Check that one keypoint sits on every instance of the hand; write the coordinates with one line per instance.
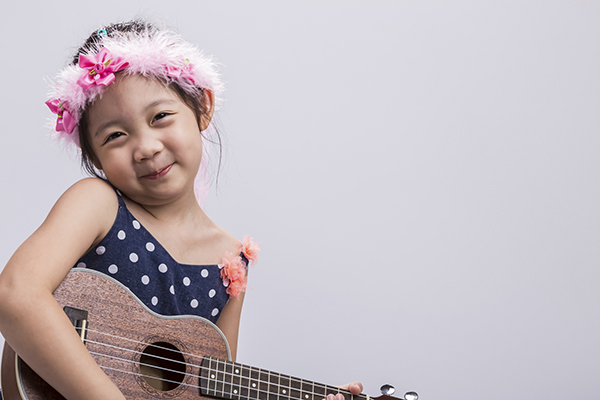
(353, 387)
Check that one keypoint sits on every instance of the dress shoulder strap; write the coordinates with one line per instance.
(118, 193)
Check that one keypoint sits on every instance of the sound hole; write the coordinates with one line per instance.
(162, 366)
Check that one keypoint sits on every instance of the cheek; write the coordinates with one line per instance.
(112, 160)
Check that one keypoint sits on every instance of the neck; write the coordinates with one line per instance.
(179, 210)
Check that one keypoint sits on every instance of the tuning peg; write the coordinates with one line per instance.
(387, 390)
(411, 396)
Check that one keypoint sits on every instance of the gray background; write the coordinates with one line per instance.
(422, 175)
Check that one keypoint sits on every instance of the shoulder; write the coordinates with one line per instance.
(90, 203)
(225, 241)
(90, 188)
(77, 221)
(247, 247)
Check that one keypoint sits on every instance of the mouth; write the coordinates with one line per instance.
(160, 173)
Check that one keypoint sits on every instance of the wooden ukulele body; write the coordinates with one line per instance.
(119, 329)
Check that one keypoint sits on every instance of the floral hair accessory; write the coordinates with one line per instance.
(64, 122)
(101, 69)
(155, 53)
(233, 273)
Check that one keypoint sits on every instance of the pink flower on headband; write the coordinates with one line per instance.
(250, 249)
(100, 69)
(65, 121)
(233, 274)
(177, 72)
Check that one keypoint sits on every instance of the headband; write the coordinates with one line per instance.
(160, 54)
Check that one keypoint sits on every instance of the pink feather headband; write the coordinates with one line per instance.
(160, 54)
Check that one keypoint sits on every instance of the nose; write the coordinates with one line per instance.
(147, 146)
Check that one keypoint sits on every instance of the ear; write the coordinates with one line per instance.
(209, 106)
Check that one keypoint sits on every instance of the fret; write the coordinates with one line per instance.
(205, 380)
(221, 388)
(236, 380)
(219, 377)
(253, 383)
(228, 389)
(307, 389)
(245, 382)
(296, 388)
(284, 386)
(319, 392)
(273, 386)
(263, 385)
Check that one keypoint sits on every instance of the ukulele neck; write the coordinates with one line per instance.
(233, 381)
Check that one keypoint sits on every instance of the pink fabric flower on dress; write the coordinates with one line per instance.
(100, 69)
(65, 121)
(234, 271)
(250, 249)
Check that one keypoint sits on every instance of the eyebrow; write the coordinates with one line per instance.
(148, 107)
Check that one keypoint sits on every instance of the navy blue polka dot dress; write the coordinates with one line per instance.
(131, 255)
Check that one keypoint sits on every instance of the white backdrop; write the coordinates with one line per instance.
(423, 177)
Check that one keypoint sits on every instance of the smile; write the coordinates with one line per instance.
(159, 174)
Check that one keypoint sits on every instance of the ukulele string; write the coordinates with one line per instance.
(222, 393)
(201, 367)
(231, 375)
(153, 345)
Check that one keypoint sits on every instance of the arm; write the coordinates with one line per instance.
(31, 320)
(229, 322)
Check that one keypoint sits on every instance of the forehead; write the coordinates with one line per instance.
(130, 94)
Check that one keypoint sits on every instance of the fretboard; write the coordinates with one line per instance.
(233, 381)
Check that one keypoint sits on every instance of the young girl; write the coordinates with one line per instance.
(138, 101)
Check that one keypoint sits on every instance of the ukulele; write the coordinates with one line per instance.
(164, 361)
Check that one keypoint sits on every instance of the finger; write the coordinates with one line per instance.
(355, 387)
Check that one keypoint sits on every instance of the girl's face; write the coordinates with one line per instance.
(146, 140)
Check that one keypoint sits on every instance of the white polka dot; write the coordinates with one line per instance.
(220, 266)
(162, 268)
(194, 303)
(81, 265)
(113, 269)
(145, 279)
(212, 293)
(154, 300)
(100, 250)
(150, 246)
(136, 224)
(172, 289)
(204, 273)
(225, 282)
(214, 312)
(133, 257)
(121, 235)
(186, 281)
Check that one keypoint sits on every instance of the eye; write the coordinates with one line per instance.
(113, 136)
(159, 116)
